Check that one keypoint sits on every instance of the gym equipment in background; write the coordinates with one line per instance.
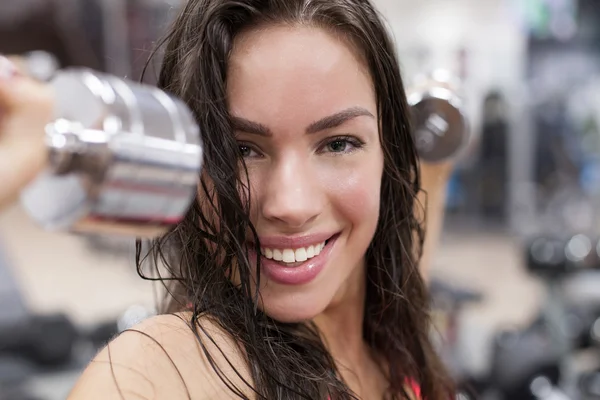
(441, 129)
(124, 158)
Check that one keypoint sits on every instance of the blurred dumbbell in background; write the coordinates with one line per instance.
(440, 126)
(556, 257)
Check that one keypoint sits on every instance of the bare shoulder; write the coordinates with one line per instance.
(164, 358)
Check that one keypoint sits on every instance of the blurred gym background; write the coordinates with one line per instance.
(515, 282)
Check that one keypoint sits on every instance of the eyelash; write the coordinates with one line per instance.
(351, 140)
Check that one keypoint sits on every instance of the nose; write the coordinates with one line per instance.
(292, 196)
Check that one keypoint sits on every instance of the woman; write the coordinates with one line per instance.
(309, 161)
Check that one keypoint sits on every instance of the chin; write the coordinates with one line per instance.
(294, 307)
(302, 292)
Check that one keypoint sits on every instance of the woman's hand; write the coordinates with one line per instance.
(25, 109)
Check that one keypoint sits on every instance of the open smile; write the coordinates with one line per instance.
(298, 262)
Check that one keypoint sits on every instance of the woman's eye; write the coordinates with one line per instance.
(337, 146)
(247, 151)
(342, 145)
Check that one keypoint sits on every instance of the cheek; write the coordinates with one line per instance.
(355, 193)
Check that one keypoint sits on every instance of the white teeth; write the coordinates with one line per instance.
(301, 255)
(288, 256)
(293, 255)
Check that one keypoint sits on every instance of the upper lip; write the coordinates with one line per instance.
(293, 242)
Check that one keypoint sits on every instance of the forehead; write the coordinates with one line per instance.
(300, 70)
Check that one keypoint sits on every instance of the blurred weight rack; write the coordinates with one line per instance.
(115, 36)
(131, 29)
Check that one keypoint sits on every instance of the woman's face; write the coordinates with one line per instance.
(304, 110)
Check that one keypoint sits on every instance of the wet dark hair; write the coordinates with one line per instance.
(289, 360)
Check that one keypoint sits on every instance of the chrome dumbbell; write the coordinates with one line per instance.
(124, 158)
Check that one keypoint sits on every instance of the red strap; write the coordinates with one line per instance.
(415, 388)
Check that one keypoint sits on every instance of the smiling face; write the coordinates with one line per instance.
(304, 108)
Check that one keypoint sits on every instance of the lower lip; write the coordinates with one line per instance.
(299, 275)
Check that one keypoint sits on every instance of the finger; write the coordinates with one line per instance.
(18, 62)
(18, 91)
(25, 108)
(22, 135)
(26, 105)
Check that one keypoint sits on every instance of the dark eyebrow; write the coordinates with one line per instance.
(330, 122)
(244, 125)
(337, 119)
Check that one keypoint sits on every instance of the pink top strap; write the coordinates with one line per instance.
(415, 388)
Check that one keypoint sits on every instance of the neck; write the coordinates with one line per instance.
(341, 324)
